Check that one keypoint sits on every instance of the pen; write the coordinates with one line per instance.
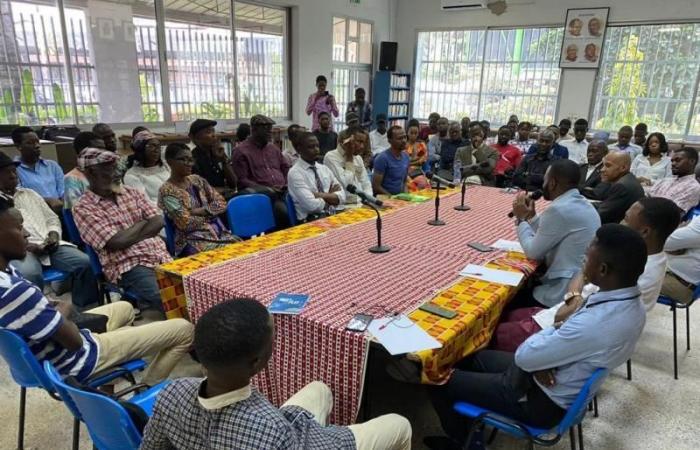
(475, 274)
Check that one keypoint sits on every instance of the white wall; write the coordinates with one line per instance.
(577, 85)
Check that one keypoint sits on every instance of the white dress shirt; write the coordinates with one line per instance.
(348, 172)
(301, 183)
(642, 167)
(379, 142)
(687, 265)
(578, 151)
(633, 149)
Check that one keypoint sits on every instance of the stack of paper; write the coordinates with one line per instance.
(401, 335)
(492, 275)
(509, 246)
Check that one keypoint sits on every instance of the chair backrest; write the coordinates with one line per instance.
(692, 213)
(72, 228)
(577, 409)
(291, 209)
(95, 263)
(169, 234)
(24, 367)
(107, 421)
(249, 215)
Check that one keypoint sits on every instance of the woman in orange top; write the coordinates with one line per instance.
(418, 155)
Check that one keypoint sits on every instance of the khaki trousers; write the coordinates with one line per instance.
(167, 341)
(388, 432)
(674, 289)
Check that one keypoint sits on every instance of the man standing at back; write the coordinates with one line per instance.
(683, 188)
(624, 188)
(560, 235)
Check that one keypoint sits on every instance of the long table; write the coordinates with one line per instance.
(329, 261)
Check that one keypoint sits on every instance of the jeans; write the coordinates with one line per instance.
(491, 379)
(66, 259)
(141, 281)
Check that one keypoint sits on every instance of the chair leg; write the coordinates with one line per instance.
(675, 343)
(22, 409)
(595, 406)
(687, 327)
(572, 438)
(629, 369)
(76, 434)
(580, 436)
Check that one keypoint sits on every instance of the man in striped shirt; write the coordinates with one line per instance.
(52, 336)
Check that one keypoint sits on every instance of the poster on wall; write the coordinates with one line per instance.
(584, 32)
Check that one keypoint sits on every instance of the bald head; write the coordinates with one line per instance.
(615, 166)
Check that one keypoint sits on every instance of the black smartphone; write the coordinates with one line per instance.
(439, 311)
(359, 322)
(480, 247)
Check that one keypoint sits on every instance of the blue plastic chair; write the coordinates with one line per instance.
(250, 215)
(52, 275)
(109, 424)
(169, 235)
(674, 305)
(573, 418)
(28, 373)
(72, 228)
(692, 213)
(291, 209)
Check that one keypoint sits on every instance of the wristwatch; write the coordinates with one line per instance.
(571, 294)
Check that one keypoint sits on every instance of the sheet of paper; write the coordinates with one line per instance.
(401, 335)
(509, 246)
(492, 275)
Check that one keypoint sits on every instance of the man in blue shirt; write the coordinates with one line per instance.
(43, 176)
(540, 381)
(391, 165)
(556, 149)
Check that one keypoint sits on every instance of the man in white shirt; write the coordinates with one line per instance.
(654, 219)
(578, 147)
(435, 141)
(624, 142)
(347, 165)
(683, 274)
(313, 187)
(378, 139)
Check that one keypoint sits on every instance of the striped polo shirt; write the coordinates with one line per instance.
(25, 311)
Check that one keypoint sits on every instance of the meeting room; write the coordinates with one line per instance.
(207, 208)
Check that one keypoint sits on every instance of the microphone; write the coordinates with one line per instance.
(432, 176)
(365, 197)
(534, 195)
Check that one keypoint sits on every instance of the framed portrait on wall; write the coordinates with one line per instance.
(584, 33)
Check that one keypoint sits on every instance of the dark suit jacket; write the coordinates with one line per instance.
(592, 188)
(621, 195)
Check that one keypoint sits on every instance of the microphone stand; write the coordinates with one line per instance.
(379, 248)
(437, 221)
(462, 206)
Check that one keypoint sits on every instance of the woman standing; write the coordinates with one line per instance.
(653, 164)
(321, 101)
(145, 168)
(192, 205)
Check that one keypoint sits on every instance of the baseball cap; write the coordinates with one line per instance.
(200, 124)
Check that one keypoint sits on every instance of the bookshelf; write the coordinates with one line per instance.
(391, 95)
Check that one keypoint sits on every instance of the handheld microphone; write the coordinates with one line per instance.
(366, 197)
(432, 176)
(534, 195)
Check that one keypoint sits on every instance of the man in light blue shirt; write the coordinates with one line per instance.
(43, 176)
(560, 235)
(540, 381)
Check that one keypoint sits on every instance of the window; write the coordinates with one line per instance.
(103, 63)
(488, 74)
(649, 73)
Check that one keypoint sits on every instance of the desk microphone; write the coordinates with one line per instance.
(364, 196)
(434, 177)
(534, 195)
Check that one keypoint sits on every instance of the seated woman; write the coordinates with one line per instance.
(418, 154)
(192, 205)
(145, 169)
(653, 164)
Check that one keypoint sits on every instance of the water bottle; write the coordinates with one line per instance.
(457, 170)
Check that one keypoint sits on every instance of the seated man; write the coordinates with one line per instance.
(327, 138)
(290, 152)
(105, 132)
(530, 173)
(556, 149)
(347, 165)
(52, 336)
(683, 188)
(45, 248)
(654, 219)
(43, 176)
(313, 187)
(75, 183)
(210, 159)
(432, 127)
(560, 235)
(591, 185)
(378, 138)
(683, 275)
(542, 379)
(624, 188)
(435, 141)
(578, 146)
(564, 127)
(122, 227)
(508, 157)
(522, 139)
(624, 144)
(391, 166)
(640, 134)
(478, 160)
(448, 151)
(261, 168)
(234, 341)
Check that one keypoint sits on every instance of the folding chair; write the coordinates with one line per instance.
(668, 301)
(250, 215)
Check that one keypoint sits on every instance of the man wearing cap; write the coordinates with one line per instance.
(122, 227)
(210, 160)
(261, 167)
(378, 139)
(45, 248)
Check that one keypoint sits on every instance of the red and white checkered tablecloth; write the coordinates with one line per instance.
(343, 278)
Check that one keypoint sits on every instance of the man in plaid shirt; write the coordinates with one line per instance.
(234, 341)
(122, 227)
